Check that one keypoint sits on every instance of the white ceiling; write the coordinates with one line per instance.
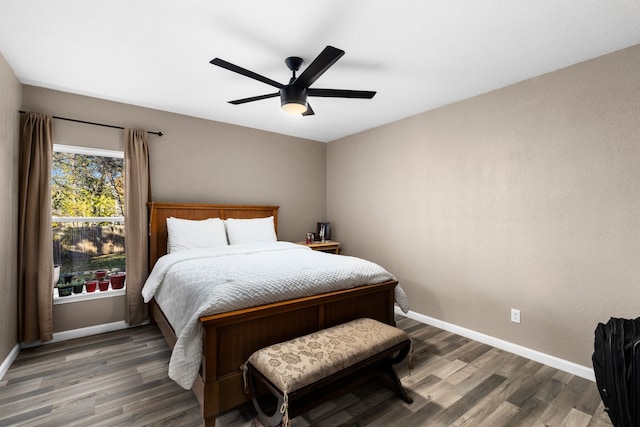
(417, 54)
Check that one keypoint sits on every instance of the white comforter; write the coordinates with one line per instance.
(194, 283)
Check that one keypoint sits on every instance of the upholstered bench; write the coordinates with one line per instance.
(308, 370)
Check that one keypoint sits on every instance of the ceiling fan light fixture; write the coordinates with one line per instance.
(293, 96)
(294, 108)
(293, 100)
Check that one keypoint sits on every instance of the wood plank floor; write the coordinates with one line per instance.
(120, 379)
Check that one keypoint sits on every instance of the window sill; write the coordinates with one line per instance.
(87, 296)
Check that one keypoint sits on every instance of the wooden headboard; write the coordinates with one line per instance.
(159, 212)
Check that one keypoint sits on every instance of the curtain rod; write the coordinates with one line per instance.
(93, 123)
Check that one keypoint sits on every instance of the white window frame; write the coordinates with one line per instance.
(87, 151)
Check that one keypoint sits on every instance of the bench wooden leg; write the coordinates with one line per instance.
(270, 420)
(395, 383)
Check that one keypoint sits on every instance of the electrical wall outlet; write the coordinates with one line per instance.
(515, 315)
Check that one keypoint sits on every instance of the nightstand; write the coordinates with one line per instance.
(326, 246)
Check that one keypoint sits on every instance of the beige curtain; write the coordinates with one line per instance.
(35, 239)
(137, 195)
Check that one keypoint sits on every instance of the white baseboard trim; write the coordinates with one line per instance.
(6, 363)
(79, 333)
(89, 330)
(554, 362)
(83, 332)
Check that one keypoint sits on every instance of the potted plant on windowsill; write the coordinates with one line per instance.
(91, 285)
(103, 285)
(64, 289)
(117, 278)
(77, 284)
(100, 274)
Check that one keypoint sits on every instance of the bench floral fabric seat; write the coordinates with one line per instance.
(309, 368)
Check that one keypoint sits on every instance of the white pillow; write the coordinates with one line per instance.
(186, 234)
(250, 230)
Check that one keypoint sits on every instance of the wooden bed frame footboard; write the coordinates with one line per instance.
(230, 338)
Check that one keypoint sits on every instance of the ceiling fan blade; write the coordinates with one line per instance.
(326, 59)
(254, 98)
(341, 93)
(309, 111)
(236, 69)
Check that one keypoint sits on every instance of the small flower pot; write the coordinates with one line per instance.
(64, 292)
(103, 285)
(91, 286)
(117, 280)
(77, 289)
(100, 274)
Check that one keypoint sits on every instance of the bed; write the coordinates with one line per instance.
(229, 338)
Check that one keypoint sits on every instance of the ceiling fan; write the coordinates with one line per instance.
(293, 96)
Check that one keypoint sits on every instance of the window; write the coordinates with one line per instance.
(87, 199)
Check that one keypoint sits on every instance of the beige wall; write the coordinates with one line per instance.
(10, 99)
(197, 161)
(525, 197)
